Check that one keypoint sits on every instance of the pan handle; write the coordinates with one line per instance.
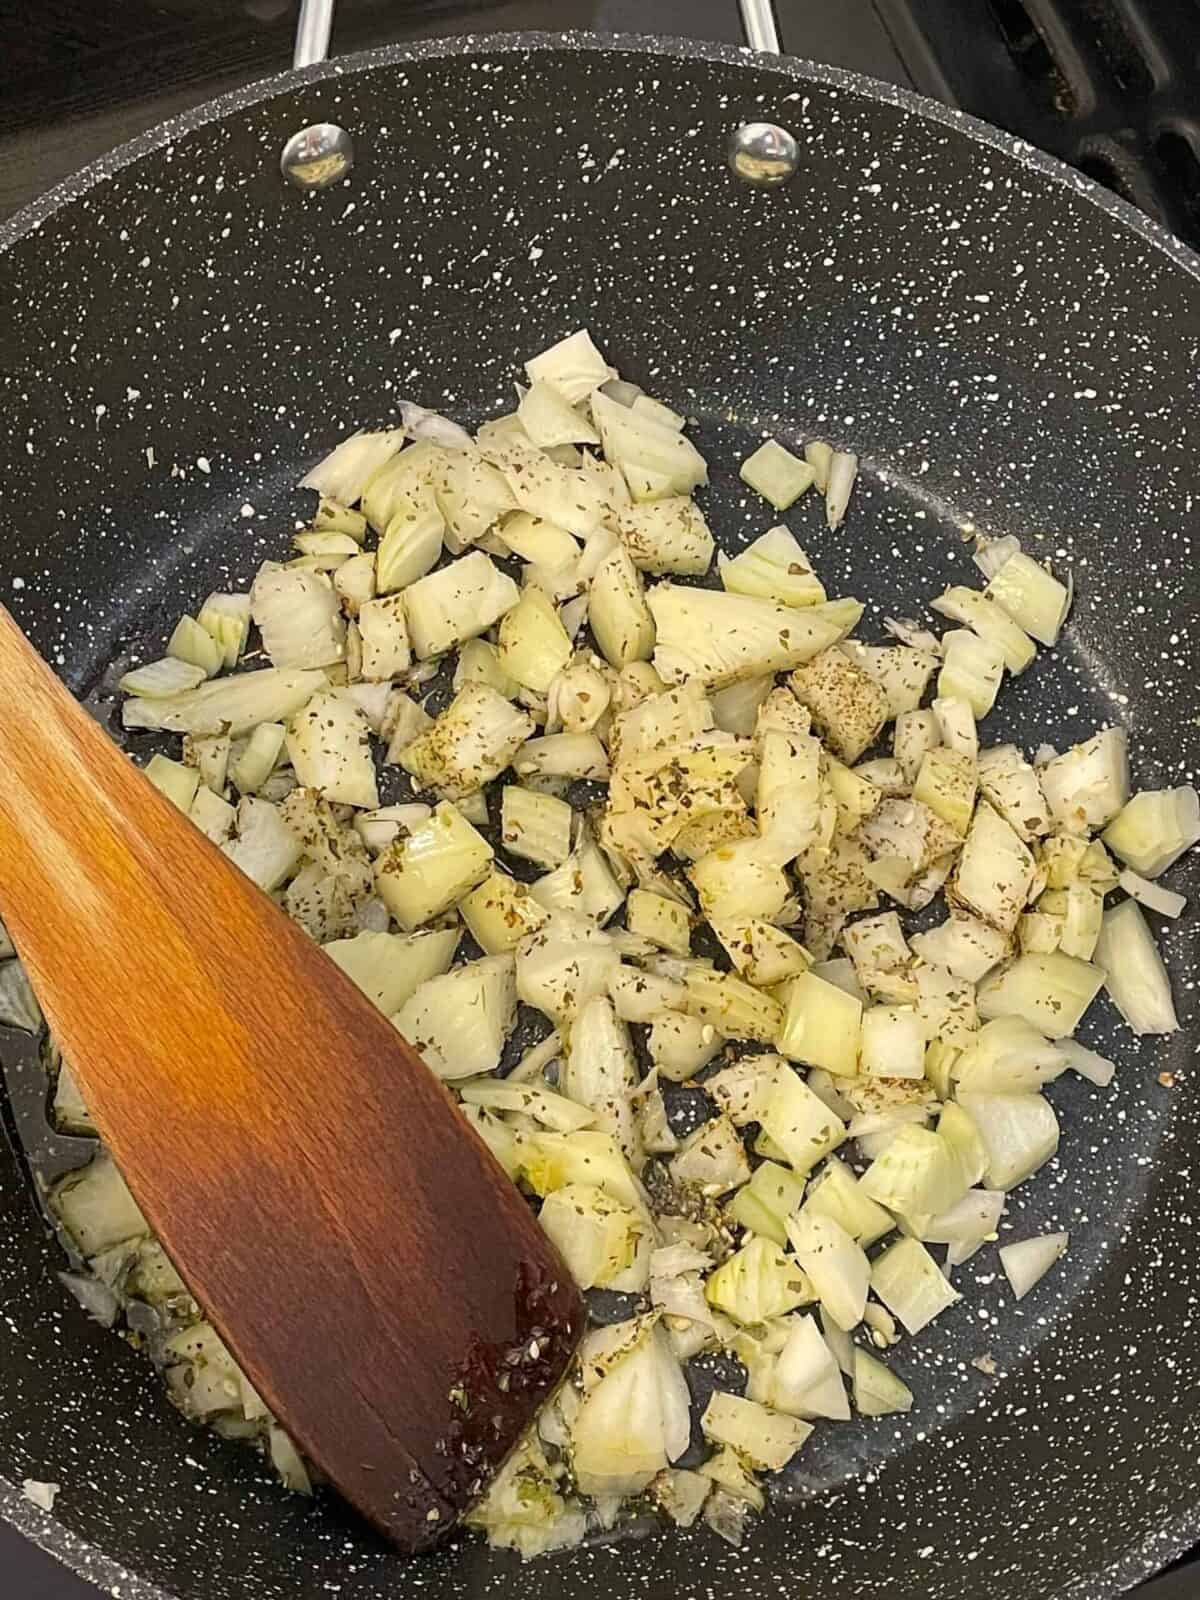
(761, 29)
(762, 154)
(322, 153)
(316, 25)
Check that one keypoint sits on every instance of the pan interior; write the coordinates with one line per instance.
(1006, 358)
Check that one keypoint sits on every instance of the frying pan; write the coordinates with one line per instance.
(1009, 348)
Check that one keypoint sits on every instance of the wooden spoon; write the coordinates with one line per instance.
(375, 1273)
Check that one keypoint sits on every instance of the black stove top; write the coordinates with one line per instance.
(1112, 86)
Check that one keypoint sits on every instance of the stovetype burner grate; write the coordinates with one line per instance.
(1112, 86)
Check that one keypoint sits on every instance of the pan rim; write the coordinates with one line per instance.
(1159, 1547)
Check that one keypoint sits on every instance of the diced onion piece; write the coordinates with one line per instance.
(966, 1226)
(968, 947)
(1154, 829)
(1008, 1056)
(1027, 1261)
(1013, 788)
(757, 1283)
(195, 645)
(819, 455)
(736, 1009)
(848, 707)
(721, 638)
(430, 870)
(776, 474)
(641, 443)
(213, 816)
(159, 680)
(669, 535)
(573, 366)
(533, 644)
(990, 622)
(1087, 786)
(892, 1042)
(911, 1285)
(390, 968)
(971, 670)
(836, 1192)
(535, 826)
(227, 618)
(345, 472)
(1134, 973)
(878, 1392)
(332, 517)
(259, 758)
(227, 705)
(821, 1026)
(1019, 1133)
(902, 673)
(664, 922)
(456, 603)
(956, 723)
(713, 1158)
(458, 1022)
(383, 638)
(916, 1175)
(619, 616)
(634, 1421)
(995, 870)
(765, 1438)
(991, 554)
(96, 1207)
(680, 1045)
(1151, 895)
(329, 743)
(1051, 992)
(800, 1124)
(740, 879)
(550, 419)
(473, 494)
(773, 567)
(412, 543)
(500, 912)
(177, 782)
(471, 743)
(835, 1265)
(596, 1235)
(946, 783)
(1033, 598)
(265, 849)
(841, 475)
(1095, 1068)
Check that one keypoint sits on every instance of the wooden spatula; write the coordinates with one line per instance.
(375, 1273)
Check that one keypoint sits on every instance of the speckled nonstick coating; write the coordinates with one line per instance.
(1004, 343)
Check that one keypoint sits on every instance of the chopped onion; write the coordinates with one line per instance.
(721, 638)
(911, 1285)
(1154, 829)
(669, 535)
(878, 1392)
(349, 467)
(1089, 785)
(842, 472)
(848, 707)
(990, 622)
(573, 366)
(1027, 1261)
(1051, 992)
(1134, 974)
(971, 670)
(1032, 597)
(991, 554)
(773, 567)
(1019, 1133)
(836, 1266)
(757, 1283)
(459, 1022)
(821, 1025)
(431, 869)
(776, 474)
(1151, 895)
(835, 1192)
(995, 871)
